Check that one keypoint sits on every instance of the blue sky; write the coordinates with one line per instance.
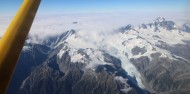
(9, 7)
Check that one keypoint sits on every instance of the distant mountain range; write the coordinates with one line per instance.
(152, 58)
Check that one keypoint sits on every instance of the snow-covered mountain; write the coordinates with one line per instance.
(186, 27)
(150, 58)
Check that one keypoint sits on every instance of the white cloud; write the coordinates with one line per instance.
(50, 25)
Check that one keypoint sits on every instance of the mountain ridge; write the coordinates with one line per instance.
(131, 60)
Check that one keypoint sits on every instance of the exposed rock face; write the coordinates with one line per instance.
(29, 59)
(160, 23)
(137, 50)
(181, 50)
(131, 61)
(53, 41)
(126, 28)
(164, 75)
(186, 27)
(144, 26)
(61, 76)
(168, 25)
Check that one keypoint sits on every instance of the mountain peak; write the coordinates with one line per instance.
(160, 19)
(186, 27)
(163, 23)
(126, 28)
(53, 41)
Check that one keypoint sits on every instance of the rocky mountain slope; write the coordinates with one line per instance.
(150, 58)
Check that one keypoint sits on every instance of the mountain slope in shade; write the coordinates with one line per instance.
(150, 58)
(61, 75)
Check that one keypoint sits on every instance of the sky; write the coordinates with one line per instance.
(9, 7)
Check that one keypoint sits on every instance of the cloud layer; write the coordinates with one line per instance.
(50, 25)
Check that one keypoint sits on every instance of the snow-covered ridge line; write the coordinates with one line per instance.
(125, 43)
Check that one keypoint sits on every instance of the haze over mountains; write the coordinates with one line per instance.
(107, 54)
(100, 22)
